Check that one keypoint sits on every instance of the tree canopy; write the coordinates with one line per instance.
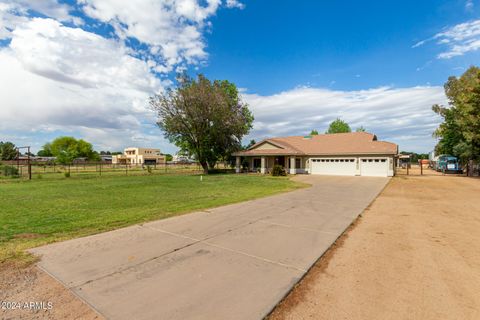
(250, 144)
(314, 132)
(8, 151)
(459, 132)
(66, 149)
(46, 151)
(206, 119)
(338, 126)
(361, 129)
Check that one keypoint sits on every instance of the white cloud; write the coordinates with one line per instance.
(172, 29)
(401, 115)
(59, 78)
(460, 39)
(71, 80)
(235, 4)
(469, 5)
(14, 13)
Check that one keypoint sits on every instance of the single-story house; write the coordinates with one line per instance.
(349, 154)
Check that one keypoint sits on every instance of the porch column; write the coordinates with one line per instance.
(293, 170)
(263, 170)
(237, 164)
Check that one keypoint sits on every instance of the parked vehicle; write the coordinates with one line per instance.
(447, 164)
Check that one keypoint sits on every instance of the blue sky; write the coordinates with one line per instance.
(356, 44)
(87, 68)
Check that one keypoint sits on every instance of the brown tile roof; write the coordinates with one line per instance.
(324, 144)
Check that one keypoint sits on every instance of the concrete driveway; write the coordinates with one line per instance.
(232, 262)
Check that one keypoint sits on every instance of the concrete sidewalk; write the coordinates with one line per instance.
(232, 262)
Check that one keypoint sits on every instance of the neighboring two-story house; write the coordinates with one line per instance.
(142, 156)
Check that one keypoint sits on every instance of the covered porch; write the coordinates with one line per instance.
(265, 164)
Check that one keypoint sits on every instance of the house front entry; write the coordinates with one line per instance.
(280, 161)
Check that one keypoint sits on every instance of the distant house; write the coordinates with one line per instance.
(349, 154)
(106, 158)
(142, 156)
(181, 159)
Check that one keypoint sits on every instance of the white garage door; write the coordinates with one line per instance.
(341, 167)
(376, 167)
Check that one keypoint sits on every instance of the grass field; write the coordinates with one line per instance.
(37, 212)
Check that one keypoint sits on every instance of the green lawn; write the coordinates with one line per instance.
(37, 212)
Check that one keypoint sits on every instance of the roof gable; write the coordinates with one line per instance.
(265, 145)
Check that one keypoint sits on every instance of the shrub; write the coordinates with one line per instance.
(278, 171)
(67, 174)
(149, 169)
(10, 171)
(220, 171)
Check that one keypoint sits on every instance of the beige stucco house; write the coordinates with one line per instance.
(142, 156)
(351, 154)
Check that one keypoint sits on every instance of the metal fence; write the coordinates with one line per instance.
(472, 168)
(54, 170)
(416, 170)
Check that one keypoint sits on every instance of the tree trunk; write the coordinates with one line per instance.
(211, 164)
(204, 165)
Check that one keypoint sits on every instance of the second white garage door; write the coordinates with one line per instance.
(340, 167)
(374, 167)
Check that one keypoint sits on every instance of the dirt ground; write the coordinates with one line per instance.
(414, 254)
(19, 287)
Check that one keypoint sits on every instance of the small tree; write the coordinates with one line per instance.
(7, 151)
(46, 151)
(314, 132)
(203, 118)
(361, 129)
(338, 126)
(250, 144)
(67, 149)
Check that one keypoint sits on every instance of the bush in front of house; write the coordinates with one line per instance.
(278, 171)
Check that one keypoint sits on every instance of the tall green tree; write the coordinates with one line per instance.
(460, 131)
(67, 149)
(338, 126)
(314, 132)
(8, 151)
(206, 119)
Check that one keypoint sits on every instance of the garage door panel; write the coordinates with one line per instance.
(345, 167)
(374, 167)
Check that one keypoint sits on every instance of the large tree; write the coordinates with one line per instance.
(338, 126)
(460, 131)
(203, 118)
(7, 151)
(67, 149)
